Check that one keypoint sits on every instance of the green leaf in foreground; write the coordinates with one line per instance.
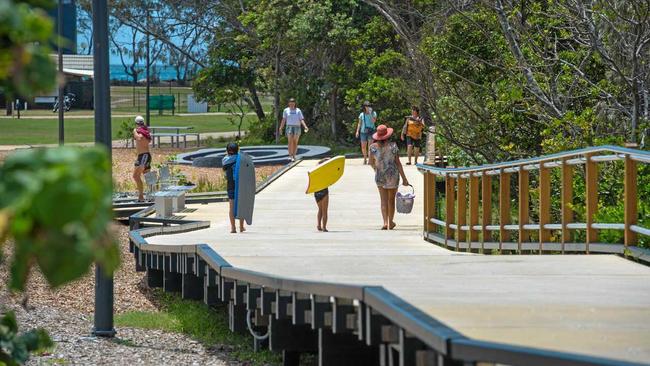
(59, 207)
(15, 348)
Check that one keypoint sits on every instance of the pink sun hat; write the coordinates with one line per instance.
(383, 133)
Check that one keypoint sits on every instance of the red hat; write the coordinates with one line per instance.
(383, 133)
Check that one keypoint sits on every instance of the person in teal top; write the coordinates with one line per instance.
(365, 128)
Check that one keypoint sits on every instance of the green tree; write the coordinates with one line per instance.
(25, 31)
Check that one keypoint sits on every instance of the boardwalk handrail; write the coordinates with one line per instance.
(462, 228)
(380, 317)
(637, 155)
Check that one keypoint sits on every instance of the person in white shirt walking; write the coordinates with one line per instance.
(293, 119)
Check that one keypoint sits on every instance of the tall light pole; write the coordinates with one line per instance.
(59, 26)
(146, 102)
(101, 87)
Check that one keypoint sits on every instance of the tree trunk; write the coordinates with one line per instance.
(276, 94)
(90, 43)
(334, 110)
(635, 110)
(259, 111)
(135, 83)
(241, 121)
(646, 102)
(517, 53)
(8, 105)
(636, 97)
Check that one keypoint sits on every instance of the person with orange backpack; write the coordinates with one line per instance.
(412, 130)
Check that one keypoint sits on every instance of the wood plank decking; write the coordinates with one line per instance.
(589, 304)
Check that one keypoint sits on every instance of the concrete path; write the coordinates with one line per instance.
(117, 115)
(597, 304)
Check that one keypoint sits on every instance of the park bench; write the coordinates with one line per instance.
(176, 134)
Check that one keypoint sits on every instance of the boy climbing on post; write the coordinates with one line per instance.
(142, 138)
(228, 163)
(322, 200)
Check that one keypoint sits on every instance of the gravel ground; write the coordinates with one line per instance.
(75, 345)
(66, 314)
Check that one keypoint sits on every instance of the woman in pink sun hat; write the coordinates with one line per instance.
(384, 159)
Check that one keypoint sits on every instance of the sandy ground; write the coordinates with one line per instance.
(208, 179)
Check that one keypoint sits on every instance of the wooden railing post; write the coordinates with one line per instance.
(504, 207)
(429, 202)
(486, 207)
(523, 205)
(473, 209)
(567, 200)
(450, 193)
(544, 205)
(591, 192)
(462, 210)
(631, 200)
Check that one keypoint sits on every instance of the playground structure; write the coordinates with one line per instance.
(262, 155)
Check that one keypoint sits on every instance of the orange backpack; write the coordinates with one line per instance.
(414, 128)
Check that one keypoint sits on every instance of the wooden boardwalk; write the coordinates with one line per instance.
(589, 304)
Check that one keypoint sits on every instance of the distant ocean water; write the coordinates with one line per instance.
(161, 72)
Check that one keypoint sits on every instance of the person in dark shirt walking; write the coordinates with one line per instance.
(228, 163)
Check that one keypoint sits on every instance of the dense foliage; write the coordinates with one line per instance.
(499, 79)
(25, 33)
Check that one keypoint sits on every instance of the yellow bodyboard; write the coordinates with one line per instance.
(325, 174)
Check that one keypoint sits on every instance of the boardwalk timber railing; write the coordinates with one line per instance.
(466, 218)
(343, 324)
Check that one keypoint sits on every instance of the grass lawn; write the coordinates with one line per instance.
(202, 323)
(45, 131)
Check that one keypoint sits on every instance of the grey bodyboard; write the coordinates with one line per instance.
(246, 189)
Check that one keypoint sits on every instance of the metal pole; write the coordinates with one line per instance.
(102, 92)
(148, 114)
(59, 25)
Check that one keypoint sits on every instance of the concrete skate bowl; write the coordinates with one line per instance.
(262, 155)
